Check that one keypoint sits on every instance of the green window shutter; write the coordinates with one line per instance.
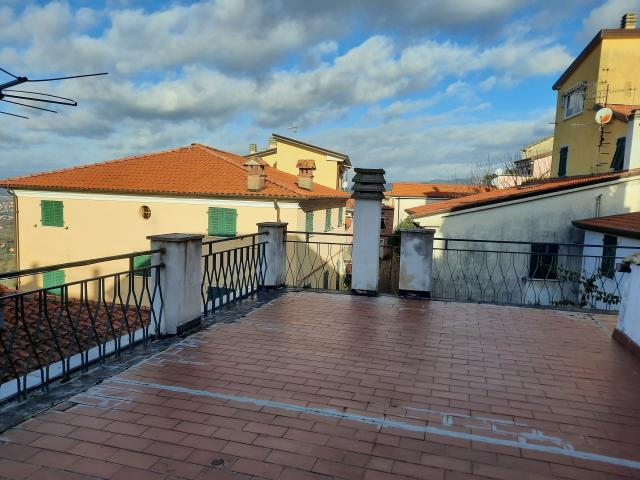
(340, 217)
(52, 213)
(222, 222)
(308, 222)
(53, 279)
(327, 220)
(562, 167)
(141, 261)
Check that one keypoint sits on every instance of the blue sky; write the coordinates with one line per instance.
(425, 89)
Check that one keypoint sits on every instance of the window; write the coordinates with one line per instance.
(52, 279)
(327, 220)
(573, 100)
(141, 261)
(562, 166)
(145, 212)
(51, 213)
(543, 262)
(222, 222)
(608, 265)
(308, 222)
(340, 216)
(618, 157)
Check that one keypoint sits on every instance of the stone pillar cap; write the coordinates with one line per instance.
(176, 237)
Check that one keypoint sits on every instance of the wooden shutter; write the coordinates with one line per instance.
(51, 213)
(562, 167)
(618, 157)
(53, 279)
(308, 223)
(229, 219)
(141, 261)
(222, 222)
(340, 217)
(327, 220)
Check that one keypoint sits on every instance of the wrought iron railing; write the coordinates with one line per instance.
(232, 269)
(48, 333)
(318, 260)
(527, 273)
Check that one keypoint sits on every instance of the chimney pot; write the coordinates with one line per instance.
(272, 142)
(629, 21)
(256, 175)
(305, 173)
(253, 148)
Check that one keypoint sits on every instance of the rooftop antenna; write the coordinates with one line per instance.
(7, 92)
(294, 128)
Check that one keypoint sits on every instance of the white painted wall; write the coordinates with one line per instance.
(629, 320)
(366, 242)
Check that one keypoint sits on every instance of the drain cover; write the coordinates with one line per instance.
(217, 462)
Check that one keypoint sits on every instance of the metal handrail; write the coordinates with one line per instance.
(301, 232)
(80, 263)
(238, 237)
(516, 242)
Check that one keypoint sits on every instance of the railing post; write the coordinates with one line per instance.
(274, 252)
(180, 280)
(627, 332)
(368, 192)
(416, 262)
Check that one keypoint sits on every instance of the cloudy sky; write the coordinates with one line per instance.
(424, 88)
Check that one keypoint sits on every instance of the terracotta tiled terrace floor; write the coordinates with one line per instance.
(320, 386)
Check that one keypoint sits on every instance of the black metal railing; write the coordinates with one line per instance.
(48, 333)
(318, 260)
(528, 273)
(232, 269)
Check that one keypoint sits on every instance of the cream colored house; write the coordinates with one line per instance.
(112, 207)
(534, 164)
(604, 74)
(284, 153)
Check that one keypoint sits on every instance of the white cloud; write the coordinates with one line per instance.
(607, 15)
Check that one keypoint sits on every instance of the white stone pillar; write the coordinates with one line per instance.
(627, 331)
(416, 262)
(274, 252)
(632, 142)
(180, 280)
(368, 192)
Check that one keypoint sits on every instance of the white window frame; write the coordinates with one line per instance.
(575, 91)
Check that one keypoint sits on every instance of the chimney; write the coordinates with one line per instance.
(305, 173)
(253, 148)
(629, 21)
(272, 142)
(632, 142)
(256, 175)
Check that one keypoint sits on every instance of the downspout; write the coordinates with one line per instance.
(277, 207)
(16, 233)
(598, 202)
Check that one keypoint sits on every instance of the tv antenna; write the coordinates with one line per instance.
(8, 92)
(294, 128)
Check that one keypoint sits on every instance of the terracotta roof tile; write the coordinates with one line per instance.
(522, 191)
(195, 170)
(620, 111)
(432, 190)
(625, 224)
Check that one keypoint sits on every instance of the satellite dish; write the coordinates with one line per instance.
(604, 115)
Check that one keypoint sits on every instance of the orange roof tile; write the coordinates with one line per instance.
(195, 170)
(625, 224)
(432, 190)
(512, 193)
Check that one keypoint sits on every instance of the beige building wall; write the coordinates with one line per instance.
(97, 225)
(286, 157)
(400, 204)
(611, 72)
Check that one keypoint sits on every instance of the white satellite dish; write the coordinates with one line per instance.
(604, 115)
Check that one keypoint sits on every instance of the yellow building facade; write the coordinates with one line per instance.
(605, 74)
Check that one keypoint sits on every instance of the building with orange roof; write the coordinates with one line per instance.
(604, 74)
(112, 207)
(407, 195)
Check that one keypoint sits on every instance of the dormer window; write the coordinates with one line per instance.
(573, 100)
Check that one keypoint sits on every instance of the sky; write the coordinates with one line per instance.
(426, 89)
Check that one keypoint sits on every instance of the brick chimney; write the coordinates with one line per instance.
(629, 21)
(256, 175)
(305, 173)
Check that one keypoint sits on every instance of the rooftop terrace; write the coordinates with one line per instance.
(322, 386)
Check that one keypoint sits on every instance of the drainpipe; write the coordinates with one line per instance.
(277, 207)
(598, 202)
